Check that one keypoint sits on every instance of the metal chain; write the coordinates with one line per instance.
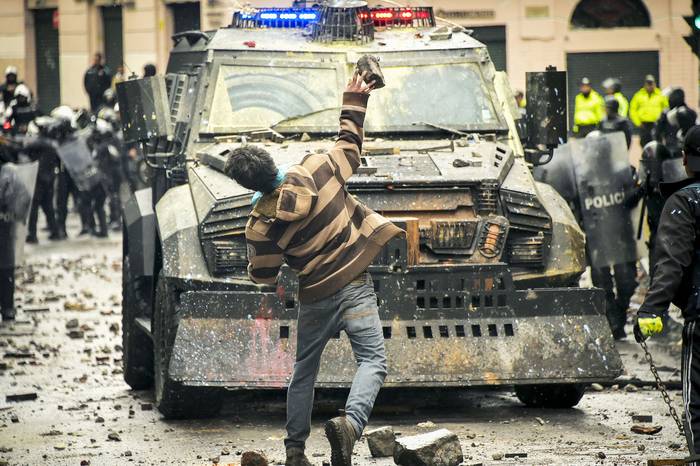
(662, 388)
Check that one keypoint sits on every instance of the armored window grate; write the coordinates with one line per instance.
(508, 328)
(387, 332)
(427, 331)
(420, 302)
(493, 330)
(444, 331)
(411, 332)
(476, 330)
(284, 331)
(459, 331)
(446, 302)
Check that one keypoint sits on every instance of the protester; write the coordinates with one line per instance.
(676, 279)
(646, 107)
(97, 80)
(291, 212)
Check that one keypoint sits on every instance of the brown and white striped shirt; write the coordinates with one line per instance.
(313, 224)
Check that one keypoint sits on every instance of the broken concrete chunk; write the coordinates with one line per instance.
(381, 441)
(437, 448)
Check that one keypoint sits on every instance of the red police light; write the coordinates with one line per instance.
(407, 14)
(383, 15)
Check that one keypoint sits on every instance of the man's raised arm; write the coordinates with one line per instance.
(345, 156)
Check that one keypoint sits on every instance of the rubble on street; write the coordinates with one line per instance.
(84, 412)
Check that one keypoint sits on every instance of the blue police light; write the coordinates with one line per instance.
(696, 21)
(277, 17)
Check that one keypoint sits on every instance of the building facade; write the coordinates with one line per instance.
(52, 41)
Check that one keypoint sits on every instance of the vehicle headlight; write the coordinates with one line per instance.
(225, 257)
(451, 236)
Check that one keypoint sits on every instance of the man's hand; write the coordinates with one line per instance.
(646, 326)
(357, 84)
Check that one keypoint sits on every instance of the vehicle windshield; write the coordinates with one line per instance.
(307, 97)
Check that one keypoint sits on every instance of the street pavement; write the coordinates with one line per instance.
(64, 350)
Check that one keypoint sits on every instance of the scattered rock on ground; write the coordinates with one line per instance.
(253, 458)
(381, 441)
(437, 448)
(647, 430)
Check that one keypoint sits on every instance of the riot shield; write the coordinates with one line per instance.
(673, 170)
(603, 177)
(75, 155)
(559, 173)
(27, 173)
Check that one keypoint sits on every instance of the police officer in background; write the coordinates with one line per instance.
(613, 87)
(8, 87)
(21, 111)
(40, 149)
(613, 121)
(674, 122)
(676, 279)
(588, 109)
(646, 107)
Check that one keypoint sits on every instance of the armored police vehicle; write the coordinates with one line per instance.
(483, 290)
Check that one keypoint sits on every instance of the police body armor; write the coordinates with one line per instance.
(593, 175)
(691, 309)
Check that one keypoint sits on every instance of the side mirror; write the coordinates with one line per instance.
(144, 109)
(545, 114)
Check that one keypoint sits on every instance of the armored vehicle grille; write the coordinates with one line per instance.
(525, 212)
(487, 200)
(227, 256)
(527, 250)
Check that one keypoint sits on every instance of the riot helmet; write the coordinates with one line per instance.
(11, 74)
(691, 148)
(22, 94)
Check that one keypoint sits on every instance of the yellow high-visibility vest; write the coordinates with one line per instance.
(647, 108)
(588, 110)
(624, 104)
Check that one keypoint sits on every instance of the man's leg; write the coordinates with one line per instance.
(364, 329)
(625, 285)
(690, 374)
(317, 323)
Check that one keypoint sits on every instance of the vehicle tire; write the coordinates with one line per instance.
(174, 400)
(550, 395)
(137, 349)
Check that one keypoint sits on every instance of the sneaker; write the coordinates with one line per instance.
(296, 457)
(8, 314)
(342, 437)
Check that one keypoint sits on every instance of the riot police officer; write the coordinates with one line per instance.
(674, 122)
(14, 205)
(676, 279)
(21, 111)
(66, 186)
(613, 121)
(40, 149)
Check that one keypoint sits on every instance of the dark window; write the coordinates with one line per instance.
(593, 14)
(112, 29)
(186, 16)
(48, 85)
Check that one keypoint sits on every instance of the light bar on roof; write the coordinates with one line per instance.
(275, 18)
(302, 17)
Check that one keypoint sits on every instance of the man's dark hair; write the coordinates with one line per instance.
(149, 69)
(252, 168)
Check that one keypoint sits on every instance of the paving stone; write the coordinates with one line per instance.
(381, 441)
(437, 448)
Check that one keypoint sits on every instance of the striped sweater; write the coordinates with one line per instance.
(313, 224)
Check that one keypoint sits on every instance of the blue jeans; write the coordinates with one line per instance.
(354, 310)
